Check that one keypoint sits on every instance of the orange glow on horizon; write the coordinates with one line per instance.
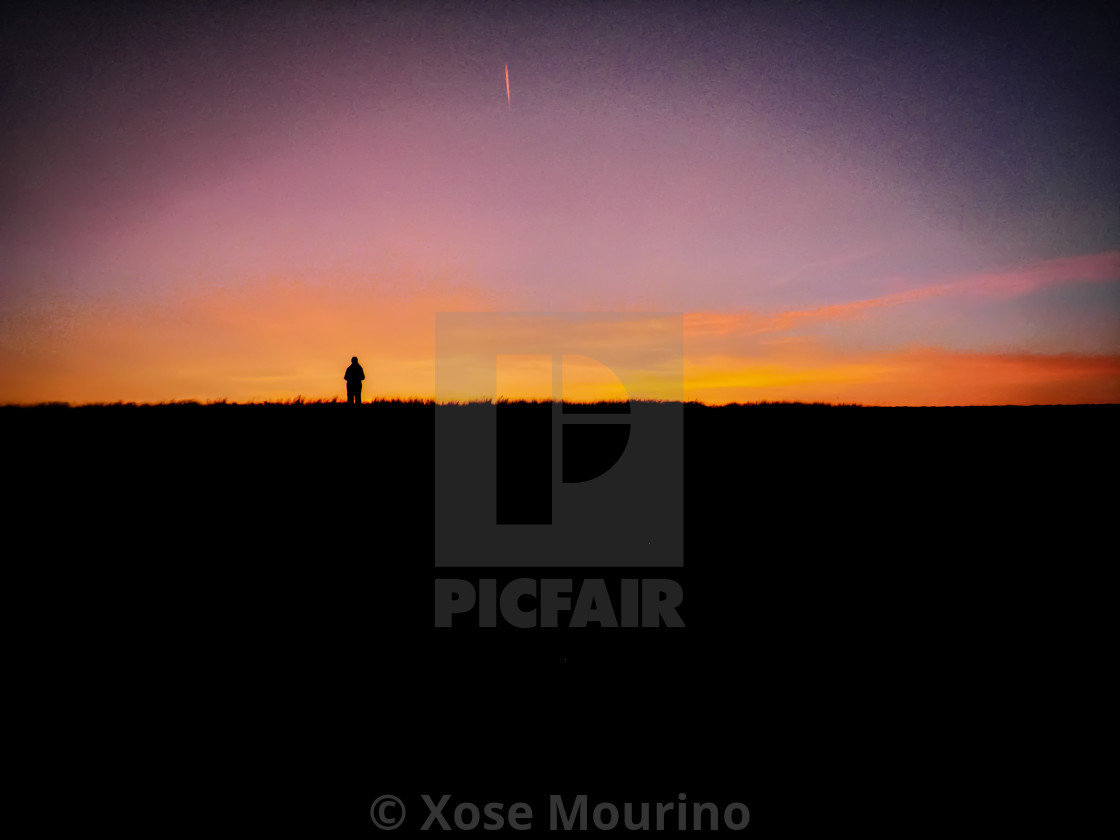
(279, 339)
(913, 377)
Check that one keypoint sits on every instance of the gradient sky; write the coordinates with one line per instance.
(876, 205)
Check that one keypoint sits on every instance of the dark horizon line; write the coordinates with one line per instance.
(422, 401)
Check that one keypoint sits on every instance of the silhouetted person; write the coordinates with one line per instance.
(354, 376)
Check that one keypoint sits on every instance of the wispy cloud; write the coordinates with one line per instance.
(1008, 283)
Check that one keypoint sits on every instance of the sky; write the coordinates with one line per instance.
(872, 204)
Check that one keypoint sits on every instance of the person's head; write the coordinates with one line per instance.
(354, 359)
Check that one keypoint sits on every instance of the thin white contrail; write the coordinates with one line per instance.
(508, 100)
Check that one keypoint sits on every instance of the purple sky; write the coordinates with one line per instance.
(756, 160)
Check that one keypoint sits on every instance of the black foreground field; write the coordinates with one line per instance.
(894, 618)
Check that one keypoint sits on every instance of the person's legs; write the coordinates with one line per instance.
(358, 394)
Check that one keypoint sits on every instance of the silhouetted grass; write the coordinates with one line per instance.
(397, 402)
